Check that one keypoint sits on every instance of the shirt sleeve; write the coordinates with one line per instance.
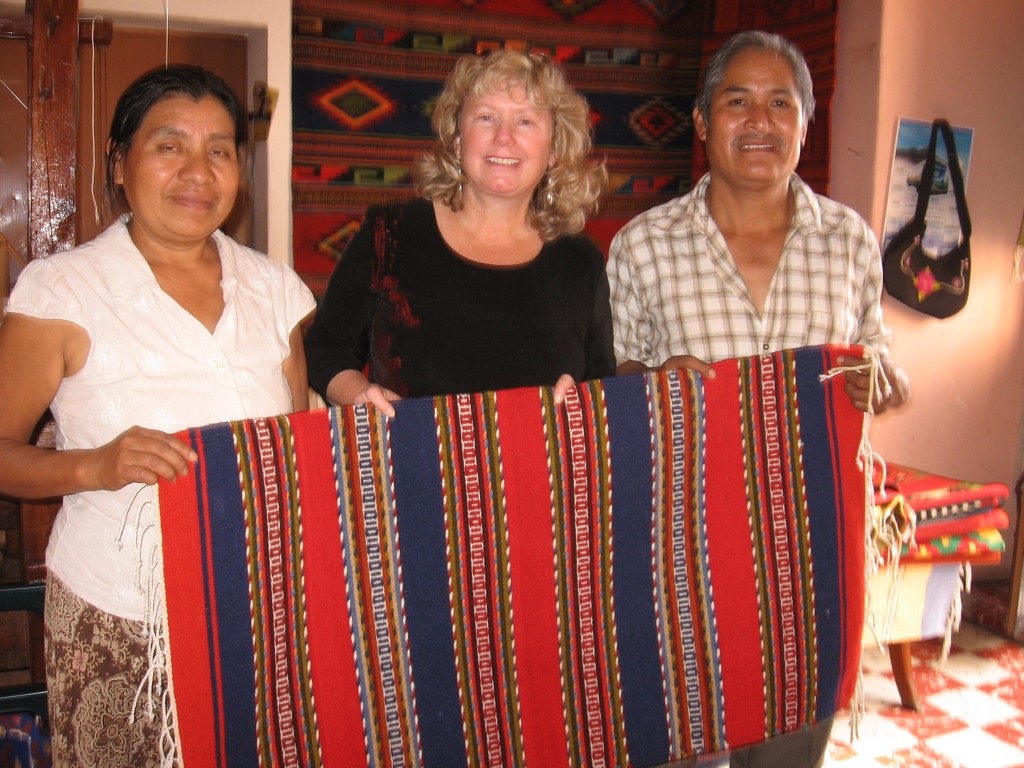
(630, 321)
(43, 291)
(339, 336)
(298, 299)
(872, 331)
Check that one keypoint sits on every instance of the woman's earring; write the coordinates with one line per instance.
(458, 186)
(549, 193)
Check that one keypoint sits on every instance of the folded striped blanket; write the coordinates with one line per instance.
(943, 505)
(661, 566)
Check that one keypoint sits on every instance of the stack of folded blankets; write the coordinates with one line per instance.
(953, 520)
(928, 532)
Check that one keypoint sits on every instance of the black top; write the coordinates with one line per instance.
(430, 322)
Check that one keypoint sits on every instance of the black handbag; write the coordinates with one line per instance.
(937, 286)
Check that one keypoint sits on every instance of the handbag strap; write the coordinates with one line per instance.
(924, 188)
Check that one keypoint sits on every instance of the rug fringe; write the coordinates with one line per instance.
(883, 538)
(154, 692)
(955, 614)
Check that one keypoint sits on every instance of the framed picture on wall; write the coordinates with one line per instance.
(910, 149)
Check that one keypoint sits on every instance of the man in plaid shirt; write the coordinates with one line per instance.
(751, 261)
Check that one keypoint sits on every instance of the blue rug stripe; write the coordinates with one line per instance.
(816, 430)
(230, 557)
(201, 522)
(635, 619)
(421, 526)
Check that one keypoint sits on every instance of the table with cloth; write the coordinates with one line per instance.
(941, 528)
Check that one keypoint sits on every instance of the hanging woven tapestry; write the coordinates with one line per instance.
(364, 76)
(661, 566)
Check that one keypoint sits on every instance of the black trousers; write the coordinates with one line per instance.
(800, 749)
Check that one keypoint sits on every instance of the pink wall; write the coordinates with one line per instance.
(945, 58)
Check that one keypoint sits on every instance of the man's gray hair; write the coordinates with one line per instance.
(714, 72)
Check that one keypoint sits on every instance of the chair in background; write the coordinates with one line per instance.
(35, 518)
(25, 697)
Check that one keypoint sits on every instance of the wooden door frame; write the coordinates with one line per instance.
(52, 30)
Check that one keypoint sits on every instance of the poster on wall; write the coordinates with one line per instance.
(943, 224)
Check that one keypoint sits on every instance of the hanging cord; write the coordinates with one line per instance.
(883, 539)
(893, 525)
(877, 380)
(5, 85)
(1017, 273)
(92, 123)
(956, 608)
(167, 33)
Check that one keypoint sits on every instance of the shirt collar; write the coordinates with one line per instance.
(692, 210)
(687, 211)
(807, 216)
(128, 275)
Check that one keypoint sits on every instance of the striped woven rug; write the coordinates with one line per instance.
(662, 566)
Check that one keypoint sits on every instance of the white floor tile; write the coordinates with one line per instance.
(878, 737)
(969, 669)
(974, 638)
(974, 707)
(882, 738)
(972, 748)
(880, 690)
(857, 761)
(874, 660)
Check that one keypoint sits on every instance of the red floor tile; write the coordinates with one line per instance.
(980, 724)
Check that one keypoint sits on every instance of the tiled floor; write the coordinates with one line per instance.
(972, 709)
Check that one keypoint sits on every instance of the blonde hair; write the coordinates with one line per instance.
(570, 190)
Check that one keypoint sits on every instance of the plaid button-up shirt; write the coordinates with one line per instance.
(675, 288)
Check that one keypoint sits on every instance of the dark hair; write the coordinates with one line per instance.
(714, 72)
(150, 89)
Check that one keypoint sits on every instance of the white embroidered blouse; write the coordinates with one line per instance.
(155, 365)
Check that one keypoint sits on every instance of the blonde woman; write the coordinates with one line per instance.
(483, 282)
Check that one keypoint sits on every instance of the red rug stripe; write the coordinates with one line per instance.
(186, 594)
(854, 491)
(730, 549)
(327, 624)
(528, 492)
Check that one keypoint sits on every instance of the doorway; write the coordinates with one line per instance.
(104, 71)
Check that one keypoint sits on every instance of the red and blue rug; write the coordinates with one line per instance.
(661, 566)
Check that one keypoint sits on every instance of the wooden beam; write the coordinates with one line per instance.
(18, 26)
(95, 32)
(15, 25)
(53, 133)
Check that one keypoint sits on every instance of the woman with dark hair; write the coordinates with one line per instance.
(483, 282)
(160, 323)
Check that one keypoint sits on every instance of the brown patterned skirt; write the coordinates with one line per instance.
(96, 664)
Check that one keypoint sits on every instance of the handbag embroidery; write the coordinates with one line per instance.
(935, 286)
(924, 279)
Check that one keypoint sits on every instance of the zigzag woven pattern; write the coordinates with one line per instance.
(662, 566)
